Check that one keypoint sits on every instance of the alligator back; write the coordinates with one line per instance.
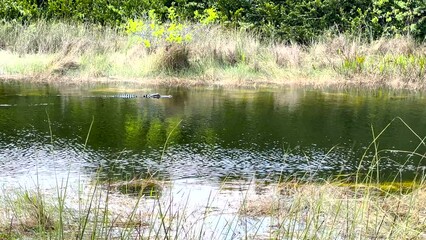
(124, 96)
(114, 96)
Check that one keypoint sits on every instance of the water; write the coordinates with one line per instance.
(207, 134)
(201, 139)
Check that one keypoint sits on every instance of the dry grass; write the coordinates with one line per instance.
(288, 56)
(214, 56)
(401, 45)
(217, 46)
(147, 187)
(328, 210)
(173, 58)
(333, 211)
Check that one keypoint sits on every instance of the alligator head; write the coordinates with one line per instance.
(156, 95)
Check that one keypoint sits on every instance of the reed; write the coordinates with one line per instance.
(296, 209)
(211, 56)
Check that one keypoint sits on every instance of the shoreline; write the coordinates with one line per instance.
(213, 57)
(316, 209)
(203, 82)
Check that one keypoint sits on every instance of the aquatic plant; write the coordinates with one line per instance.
(296, 209)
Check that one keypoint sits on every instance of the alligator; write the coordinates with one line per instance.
(156, 95)
(151, 95)
(122, 96)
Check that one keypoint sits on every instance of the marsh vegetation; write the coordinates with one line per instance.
(275, 163)
(289, 209)
(202, 54)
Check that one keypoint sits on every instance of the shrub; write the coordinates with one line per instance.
(290, 21)
(174, 57)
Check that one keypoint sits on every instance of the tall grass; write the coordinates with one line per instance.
(295, 210)
(57, 50)
(361, 206)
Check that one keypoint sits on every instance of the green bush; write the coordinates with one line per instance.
(21, 10)
(288, 20)
(394, 17)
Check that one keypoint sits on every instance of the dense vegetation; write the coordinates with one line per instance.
(288, 20)
(380, 42)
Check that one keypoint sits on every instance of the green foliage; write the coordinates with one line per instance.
(303, 21)
(210, 16)
(394, 17)
(407, 67)
(104, 12)
(351, 66)
(21, 10)
(300, 21)
(152, 32)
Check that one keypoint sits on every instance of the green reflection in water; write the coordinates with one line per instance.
(156, 134)
(134, 128)
(227, 132)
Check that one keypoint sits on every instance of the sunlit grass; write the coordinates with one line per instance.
(28, 64)
(214, 56)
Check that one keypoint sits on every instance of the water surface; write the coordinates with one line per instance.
(207, 134)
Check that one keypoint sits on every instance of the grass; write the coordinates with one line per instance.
(59, 51)
(290, 209)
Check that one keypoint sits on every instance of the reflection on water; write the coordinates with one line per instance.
(205, 144)
(206, 134)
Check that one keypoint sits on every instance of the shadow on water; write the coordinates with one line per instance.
(210, 134)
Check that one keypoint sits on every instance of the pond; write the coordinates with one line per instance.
(208, 134)
(209, 149)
